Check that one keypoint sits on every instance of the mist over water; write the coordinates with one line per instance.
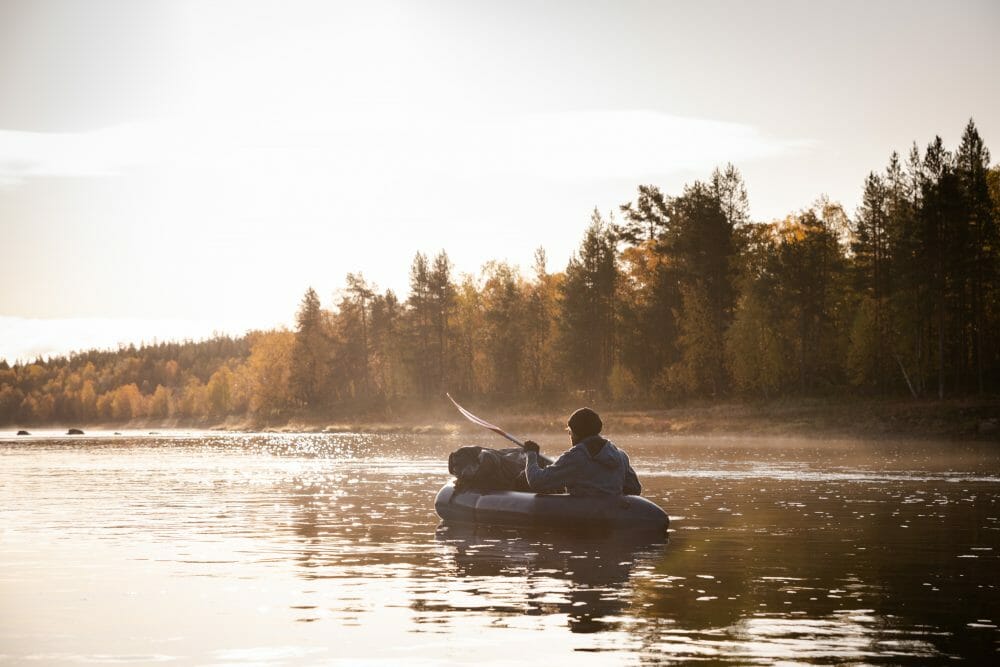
(325, 549)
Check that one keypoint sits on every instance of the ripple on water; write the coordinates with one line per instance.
(326, 548)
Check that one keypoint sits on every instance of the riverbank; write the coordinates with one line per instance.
(969, 419)
(958, 419)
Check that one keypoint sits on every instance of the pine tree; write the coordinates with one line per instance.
(943, 240)
(354, 324)
(870, 247)
(757, 341)
(539, 329)
(972, 164)
(700, 244)
(808, 268)
(504, 337)
(386, 337)
(650, 297)
(311, 353)
(441, 303)
(468, 329)
(646, 219)
(587, 316)
(420, 326)
(731, 191)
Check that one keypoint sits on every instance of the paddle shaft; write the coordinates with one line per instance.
(492, 427)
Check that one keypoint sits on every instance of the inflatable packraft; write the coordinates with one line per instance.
(557, 510)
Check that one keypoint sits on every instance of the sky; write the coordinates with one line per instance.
(179, 169)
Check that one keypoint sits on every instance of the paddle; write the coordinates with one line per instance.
(485, 424)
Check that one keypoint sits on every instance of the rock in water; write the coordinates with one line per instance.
(74, 431)
(23, 433)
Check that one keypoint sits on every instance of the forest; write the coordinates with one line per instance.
(673, 297)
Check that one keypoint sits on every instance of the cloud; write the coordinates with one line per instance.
(574, 146)
(25, 155)
(605, 145)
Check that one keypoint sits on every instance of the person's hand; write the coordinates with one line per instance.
(531, 446)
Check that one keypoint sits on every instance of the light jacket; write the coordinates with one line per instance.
(591, 467)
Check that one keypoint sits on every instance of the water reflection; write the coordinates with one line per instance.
(584, 577)
(294, 549)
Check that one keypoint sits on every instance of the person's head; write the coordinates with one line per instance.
(584, 423)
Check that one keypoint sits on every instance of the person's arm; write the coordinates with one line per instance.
(631, 485)
(554, 477)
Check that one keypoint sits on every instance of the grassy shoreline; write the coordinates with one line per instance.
(956, 419)
(969, 419)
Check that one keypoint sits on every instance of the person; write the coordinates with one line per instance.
(593, 466)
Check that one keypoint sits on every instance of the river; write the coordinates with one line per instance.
(279, 549)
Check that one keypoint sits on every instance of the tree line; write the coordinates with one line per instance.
(670, 297)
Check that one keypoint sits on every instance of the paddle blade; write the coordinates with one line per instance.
(482, 422)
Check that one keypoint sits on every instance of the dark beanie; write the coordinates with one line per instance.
(585, 422)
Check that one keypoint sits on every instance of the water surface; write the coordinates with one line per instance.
(215, 549)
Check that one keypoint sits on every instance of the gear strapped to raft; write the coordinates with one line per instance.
(486, 469)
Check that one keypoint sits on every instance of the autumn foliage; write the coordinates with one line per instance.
(674, 297)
